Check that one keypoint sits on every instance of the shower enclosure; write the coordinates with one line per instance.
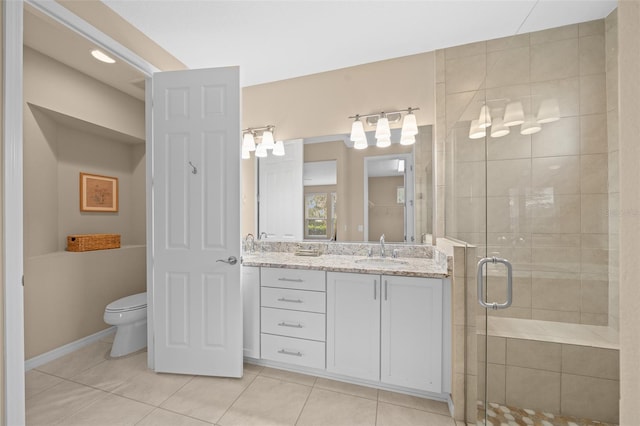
(530, 179)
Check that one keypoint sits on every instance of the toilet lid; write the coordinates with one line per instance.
(129, 303)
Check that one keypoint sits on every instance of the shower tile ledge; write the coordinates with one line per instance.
(550, 331)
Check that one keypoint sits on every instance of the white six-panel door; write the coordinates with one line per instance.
(197, 301)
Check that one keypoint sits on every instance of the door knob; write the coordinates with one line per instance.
(231, 260)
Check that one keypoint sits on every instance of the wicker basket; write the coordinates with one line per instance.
(89, 242)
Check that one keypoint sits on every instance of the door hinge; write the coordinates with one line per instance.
(23, 281)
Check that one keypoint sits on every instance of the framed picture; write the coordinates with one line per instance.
(98, 193)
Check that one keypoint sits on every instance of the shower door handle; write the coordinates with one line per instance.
(495, 305)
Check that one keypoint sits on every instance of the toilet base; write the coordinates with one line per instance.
(129, 338)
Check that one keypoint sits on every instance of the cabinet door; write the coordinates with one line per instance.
(353, 325)
(411, 348)
(251, 311)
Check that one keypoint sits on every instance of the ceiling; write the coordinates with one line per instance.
(275, 40)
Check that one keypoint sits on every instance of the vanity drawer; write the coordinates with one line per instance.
(298, 300)
(301, 279)
(304, 325)
(307, 353)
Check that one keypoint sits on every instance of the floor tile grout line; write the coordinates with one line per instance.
(236, 399)
(306, 401)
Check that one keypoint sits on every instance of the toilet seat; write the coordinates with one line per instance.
(127, 304)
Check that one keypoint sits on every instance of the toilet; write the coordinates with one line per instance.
(129, 315)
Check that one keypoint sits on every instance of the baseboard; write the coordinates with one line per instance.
(56, 353)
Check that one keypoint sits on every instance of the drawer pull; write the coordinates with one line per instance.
(284, 299)
(286, 352)
(293, 280)
(284, 324)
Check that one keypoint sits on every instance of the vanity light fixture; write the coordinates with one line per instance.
(382, 121)
(260, 140)
(102, 57)
(498, 129)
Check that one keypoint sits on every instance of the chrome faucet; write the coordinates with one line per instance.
(249, 238)
(382, 254)
(262, 236)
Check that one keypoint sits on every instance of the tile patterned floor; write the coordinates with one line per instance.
(502, 415)
(87, 388)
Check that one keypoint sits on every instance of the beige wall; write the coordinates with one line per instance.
(319, 104)
(629, 129)
(73, 123)
(543, 199)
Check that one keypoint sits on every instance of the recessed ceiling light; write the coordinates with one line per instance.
(103, 57)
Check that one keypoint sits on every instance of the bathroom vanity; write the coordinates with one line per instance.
(373, 321)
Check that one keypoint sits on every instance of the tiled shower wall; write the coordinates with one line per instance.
(544, 197)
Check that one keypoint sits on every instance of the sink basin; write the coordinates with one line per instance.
(380, 261)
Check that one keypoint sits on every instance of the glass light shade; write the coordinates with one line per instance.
(409, 125)
(361, 143)
(278, 149)
(245, 154)
(248, 142)
(267, 139)
(548, 112)
(475, 131)
(261, 151)
(383, 142)
(530, 126)
(513, 114)
(498, 129)
(382, 128)
(484, 120)
(407, 140)
(357, 131)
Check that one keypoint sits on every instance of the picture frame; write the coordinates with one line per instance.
(98, 193)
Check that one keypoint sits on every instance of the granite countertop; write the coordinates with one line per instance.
(410, 266)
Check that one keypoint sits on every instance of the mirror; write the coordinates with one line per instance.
(389, 198)
(339, 181)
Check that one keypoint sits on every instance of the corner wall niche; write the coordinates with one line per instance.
(57, 148)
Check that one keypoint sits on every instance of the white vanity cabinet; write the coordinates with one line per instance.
(411, 332)
(250, 281)
(292, 314)
(353, 325)
(386, 328)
